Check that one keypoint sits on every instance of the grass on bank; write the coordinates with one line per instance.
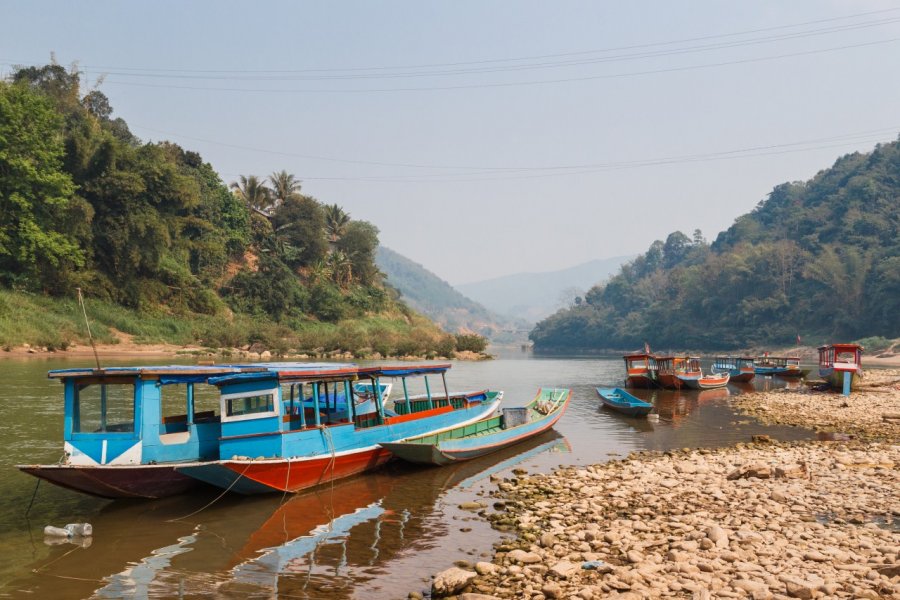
(56, 323)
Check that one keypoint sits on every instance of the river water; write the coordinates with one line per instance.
(378, 535)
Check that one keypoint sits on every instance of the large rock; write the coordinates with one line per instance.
(451, 581)
(563, 569)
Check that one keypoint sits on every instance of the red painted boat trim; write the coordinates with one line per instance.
(298, 474)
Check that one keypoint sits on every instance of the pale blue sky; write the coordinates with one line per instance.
(263, 86)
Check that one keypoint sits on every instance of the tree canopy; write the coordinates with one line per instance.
(817, 259)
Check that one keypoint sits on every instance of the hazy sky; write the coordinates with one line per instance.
(488, 138)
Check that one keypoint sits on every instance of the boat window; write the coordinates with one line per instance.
(206, 403)
(173, 410)
(250, 405)
(101, 407)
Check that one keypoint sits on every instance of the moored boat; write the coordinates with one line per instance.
(740, 368)
(692, 376)
(125, 429)
(780, 366)
(667, 370)
(269, 444)
(640, 370)
(621, 401)
(841, 365)
(488, 435)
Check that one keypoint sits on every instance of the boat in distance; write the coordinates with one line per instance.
(465, 442)
(740, 368)
(621, 401)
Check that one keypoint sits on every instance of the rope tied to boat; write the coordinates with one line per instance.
(217, 498)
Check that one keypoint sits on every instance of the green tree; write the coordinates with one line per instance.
(35, 193)
(300, 222)
(360, 243)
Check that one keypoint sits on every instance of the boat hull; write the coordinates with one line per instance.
(835, 378)
(670, 381)
(640, 381)
(743, 377)
(456, 450)
(705, 383)
(278, 475)
(114, 481)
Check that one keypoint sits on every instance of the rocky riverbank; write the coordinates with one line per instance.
(871, 411)
(802, 520)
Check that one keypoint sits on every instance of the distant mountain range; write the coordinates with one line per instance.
(534, 296)
(430, 295)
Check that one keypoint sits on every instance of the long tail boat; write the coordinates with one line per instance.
(119, 441)
(128, 431)
(780, 366)
(488, 435)
(640, 370)
(667, 370)
(271, 444)
(621, 401)
(840, 365)
(740, 368)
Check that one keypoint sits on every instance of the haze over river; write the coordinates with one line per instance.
(379, 535)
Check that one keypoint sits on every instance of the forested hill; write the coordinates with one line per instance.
(434, 297)
(819, 259)
(152, 227)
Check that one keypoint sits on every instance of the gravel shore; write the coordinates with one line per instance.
(773, 520)
(871, 411)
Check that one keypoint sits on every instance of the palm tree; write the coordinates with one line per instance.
(254, 193)
(336, 221)
(284, 187)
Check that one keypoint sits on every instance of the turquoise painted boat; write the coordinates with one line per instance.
(488, 435)
(621, 401)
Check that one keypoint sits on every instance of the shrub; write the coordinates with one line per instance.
(470, 342)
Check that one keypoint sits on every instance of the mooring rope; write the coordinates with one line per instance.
(33, 496)
(217, 498)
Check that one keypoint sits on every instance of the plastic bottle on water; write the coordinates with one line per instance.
(70, 530)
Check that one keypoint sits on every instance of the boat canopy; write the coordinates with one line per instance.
(184, 373)
(404, 371)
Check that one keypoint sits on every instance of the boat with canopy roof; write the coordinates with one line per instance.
(128, 431)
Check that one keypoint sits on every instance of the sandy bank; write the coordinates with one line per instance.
(127, 349)
(760, 521)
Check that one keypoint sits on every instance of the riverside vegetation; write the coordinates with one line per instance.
(819, 258)
(166, 252)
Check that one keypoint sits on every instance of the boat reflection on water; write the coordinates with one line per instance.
(329, 542)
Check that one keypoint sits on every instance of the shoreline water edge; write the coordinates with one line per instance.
(766, 519)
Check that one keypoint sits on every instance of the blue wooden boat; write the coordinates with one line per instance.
(155, 431)
(125, 428)
(621, 401)
(285, 430)
(488, 435)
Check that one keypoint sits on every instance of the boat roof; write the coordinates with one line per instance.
(842, 347)
(233, 373)
(404, 370)
(187, 373)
